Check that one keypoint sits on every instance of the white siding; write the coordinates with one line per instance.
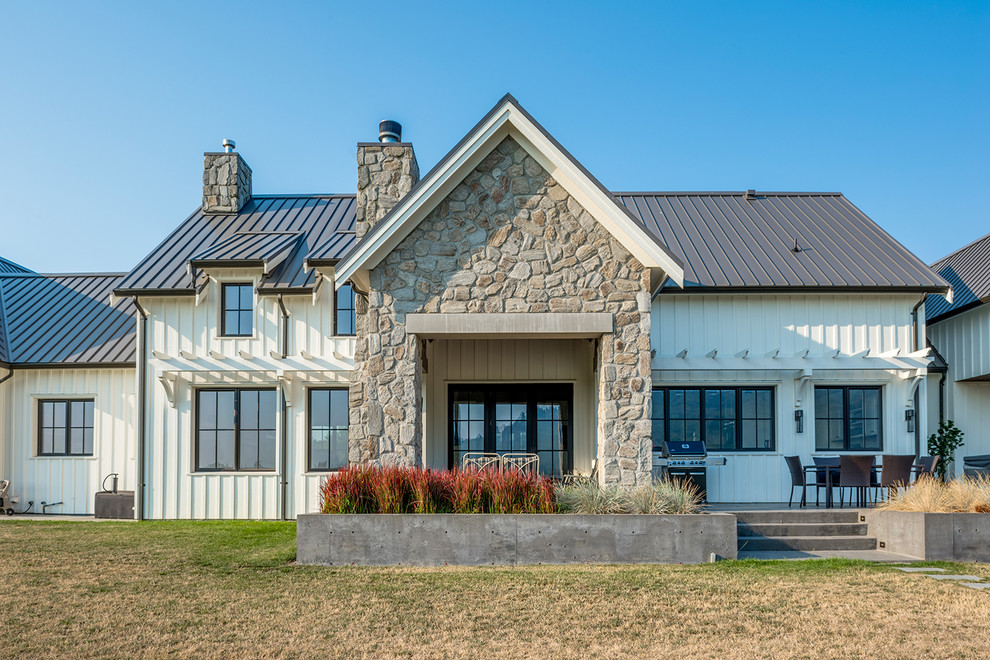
(522, 360)
(819, 324)
(964, 341)
(315, 358)
(73, 481)
(790, 324)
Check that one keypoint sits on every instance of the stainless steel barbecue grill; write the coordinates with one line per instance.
(686, 461)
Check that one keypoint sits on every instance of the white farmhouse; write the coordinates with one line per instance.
(504, 302)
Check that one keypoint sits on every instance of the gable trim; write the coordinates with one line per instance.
(507, 119)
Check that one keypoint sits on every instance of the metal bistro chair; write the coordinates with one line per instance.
(797, 479)
(822, 479)
(855, 473)
(480, 461)
(895, 472)
(526, 463)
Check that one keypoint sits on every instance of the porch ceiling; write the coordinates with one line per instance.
(521, 326)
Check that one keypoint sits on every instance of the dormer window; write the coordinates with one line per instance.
(237, 310)
(344, 311)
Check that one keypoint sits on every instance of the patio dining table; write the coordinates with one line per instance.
(829, 483)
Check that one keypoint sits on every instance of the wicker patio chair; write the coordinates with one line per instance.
(895, 472)
(797, 479)
(855, 473)
(925, 465)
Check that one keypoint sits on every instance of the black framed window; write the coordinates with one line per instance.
(237, 310)
(328, 421)
(235, 430)
(532, 418)
(725, 418)
(848, 418)
(65, 427)
(343, 311)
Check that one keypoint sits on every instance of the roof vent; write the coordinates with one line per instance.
(389, 131)
(750, 195)
(228, 145)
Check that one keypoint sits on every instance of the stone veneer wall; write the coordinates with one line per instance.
(508, 239)
(226, 182)
(386, 173)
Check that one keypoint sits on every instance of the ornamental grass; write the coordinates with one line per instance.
(661, 496)
(964, 495)
(370, 489)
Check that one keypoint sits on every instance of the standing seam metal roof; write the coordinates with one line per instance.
(968, 270)
(318, 218)
(8, 266)
(728, 241)
(65, 320)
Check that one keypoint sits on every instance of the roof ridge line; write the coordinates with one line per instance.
(965, 247)
(91, 274)
(289, 195)
(723, 193)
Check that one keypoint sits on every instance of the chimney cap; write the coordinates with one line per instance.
(750, 194)
(389, 131)
(229, 145)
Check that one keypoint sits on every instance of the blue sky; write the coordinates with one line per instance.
(107, 107)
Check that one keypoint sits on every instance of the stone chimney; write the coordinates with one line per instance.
(387, 171)
(226, 180)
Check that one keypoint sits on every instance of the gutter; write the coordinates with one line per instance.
(142, 361)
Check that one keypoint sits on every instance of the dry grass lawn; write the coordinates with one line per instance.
(77, 589)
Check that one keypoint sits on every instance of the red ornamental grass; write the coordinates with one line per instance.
(369, 489)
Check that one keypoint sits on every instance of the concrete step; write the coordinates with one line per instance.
(802, 529)
(797, 516)
(806, 543)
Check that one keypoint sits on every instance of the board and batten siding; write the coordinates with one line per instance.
(185, 344)
(964, 341)
(71, 480)
(790, 324)
(507, 361)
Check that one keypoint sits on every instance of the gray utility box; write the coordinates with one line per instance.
(117, 506)
(975, 466)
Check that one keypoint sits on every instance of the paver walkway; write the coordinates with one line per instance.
(941, 575)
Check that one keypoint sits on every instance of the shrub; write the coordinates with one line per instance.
(944, 443)
(369, 489)
(966, 495)
(662, 496)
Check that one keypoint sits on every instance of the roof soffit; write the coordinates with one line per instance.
(508, 119)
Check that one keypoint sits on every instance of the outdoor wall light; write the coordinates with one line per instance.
(799, 420)
(909, 418)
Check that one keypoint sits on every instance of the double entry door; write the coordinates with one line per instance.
(534, 418)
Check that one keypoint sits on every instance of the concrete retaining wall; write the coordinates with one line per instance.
(509, 539)
(933, 536)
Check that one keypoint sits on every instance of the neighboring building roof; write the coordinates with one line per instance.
(968, 271)
(318, 218)
(8, 266)
(64, 320)
(266, 249)
(506, 119)
(729, 241)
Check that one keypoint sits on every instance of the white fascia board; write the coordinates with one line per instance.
(789, 364)
(510, 122)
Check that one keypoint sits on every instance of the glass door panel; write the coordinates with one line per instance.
(468, 423)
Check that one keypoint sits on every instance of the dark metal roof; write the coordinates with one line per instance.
(8, 266)
(317, 218)
(249, 249)
(65, 320)
(727, 241)
(331, 251)
(968, 271)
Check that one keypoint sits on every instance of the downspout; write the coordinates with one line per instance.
(285, 415)
(10, 373)
(915, 342)
(142, 338)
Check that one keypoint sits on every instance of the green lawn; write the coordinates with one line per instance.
(230, 589)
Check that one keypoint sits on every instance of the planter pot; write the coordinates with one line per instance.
(512, 539)
(933, 536)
